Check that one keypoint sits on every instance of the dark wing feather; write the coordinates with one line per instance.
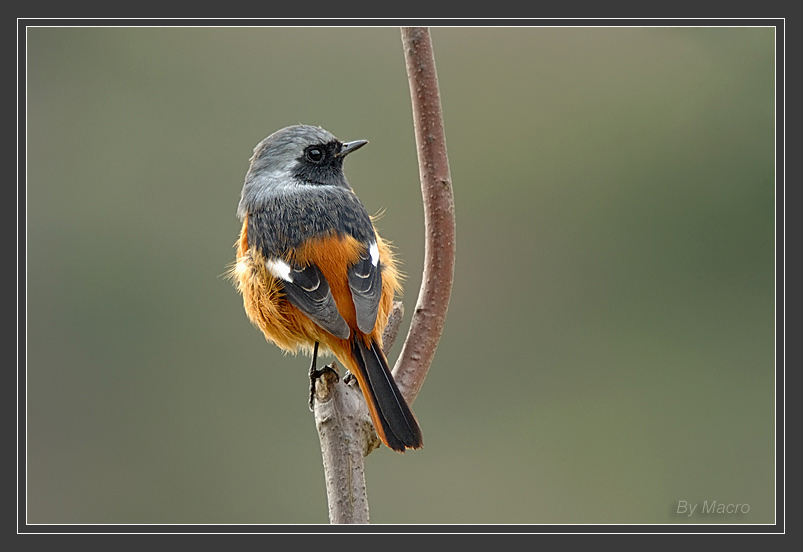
(310, 293)
(365, 282)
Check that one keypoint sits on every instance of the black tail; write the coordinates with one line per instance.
(393, 420)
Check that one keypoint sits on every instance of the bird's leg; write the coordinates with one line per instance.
(314, 374)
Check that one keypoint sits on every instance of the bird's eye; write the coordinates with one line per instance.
(315, 154)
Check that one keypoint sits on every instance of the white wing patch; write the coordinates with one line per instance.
(373, 250)
(279, 269)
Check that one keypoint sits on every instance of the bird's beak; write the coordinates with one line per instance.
(348, 147)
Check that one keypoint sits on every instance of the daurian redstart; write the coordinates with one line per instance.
(313, 271)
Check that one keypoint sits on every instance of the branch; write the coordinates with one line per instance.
(340, 418)
(347, 436)
(429, 316)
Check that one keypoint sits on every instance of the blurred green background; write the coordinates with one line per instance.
(609, 350)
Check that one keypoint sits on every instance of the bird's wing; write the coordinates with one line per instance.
(365, 282)
(307, 289)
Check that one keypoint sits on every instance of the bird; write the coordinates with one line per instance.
(313, 272)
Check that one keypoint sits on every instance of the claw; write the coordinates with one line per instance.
(315, 374)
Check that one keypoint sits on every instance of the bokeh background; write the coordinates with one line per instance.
(609, 350)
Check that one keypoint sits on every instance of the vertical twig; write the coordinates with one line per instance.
(429, 316)
(341, 416)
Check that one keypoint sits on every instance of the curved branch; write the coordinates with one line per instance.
(429, 315)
